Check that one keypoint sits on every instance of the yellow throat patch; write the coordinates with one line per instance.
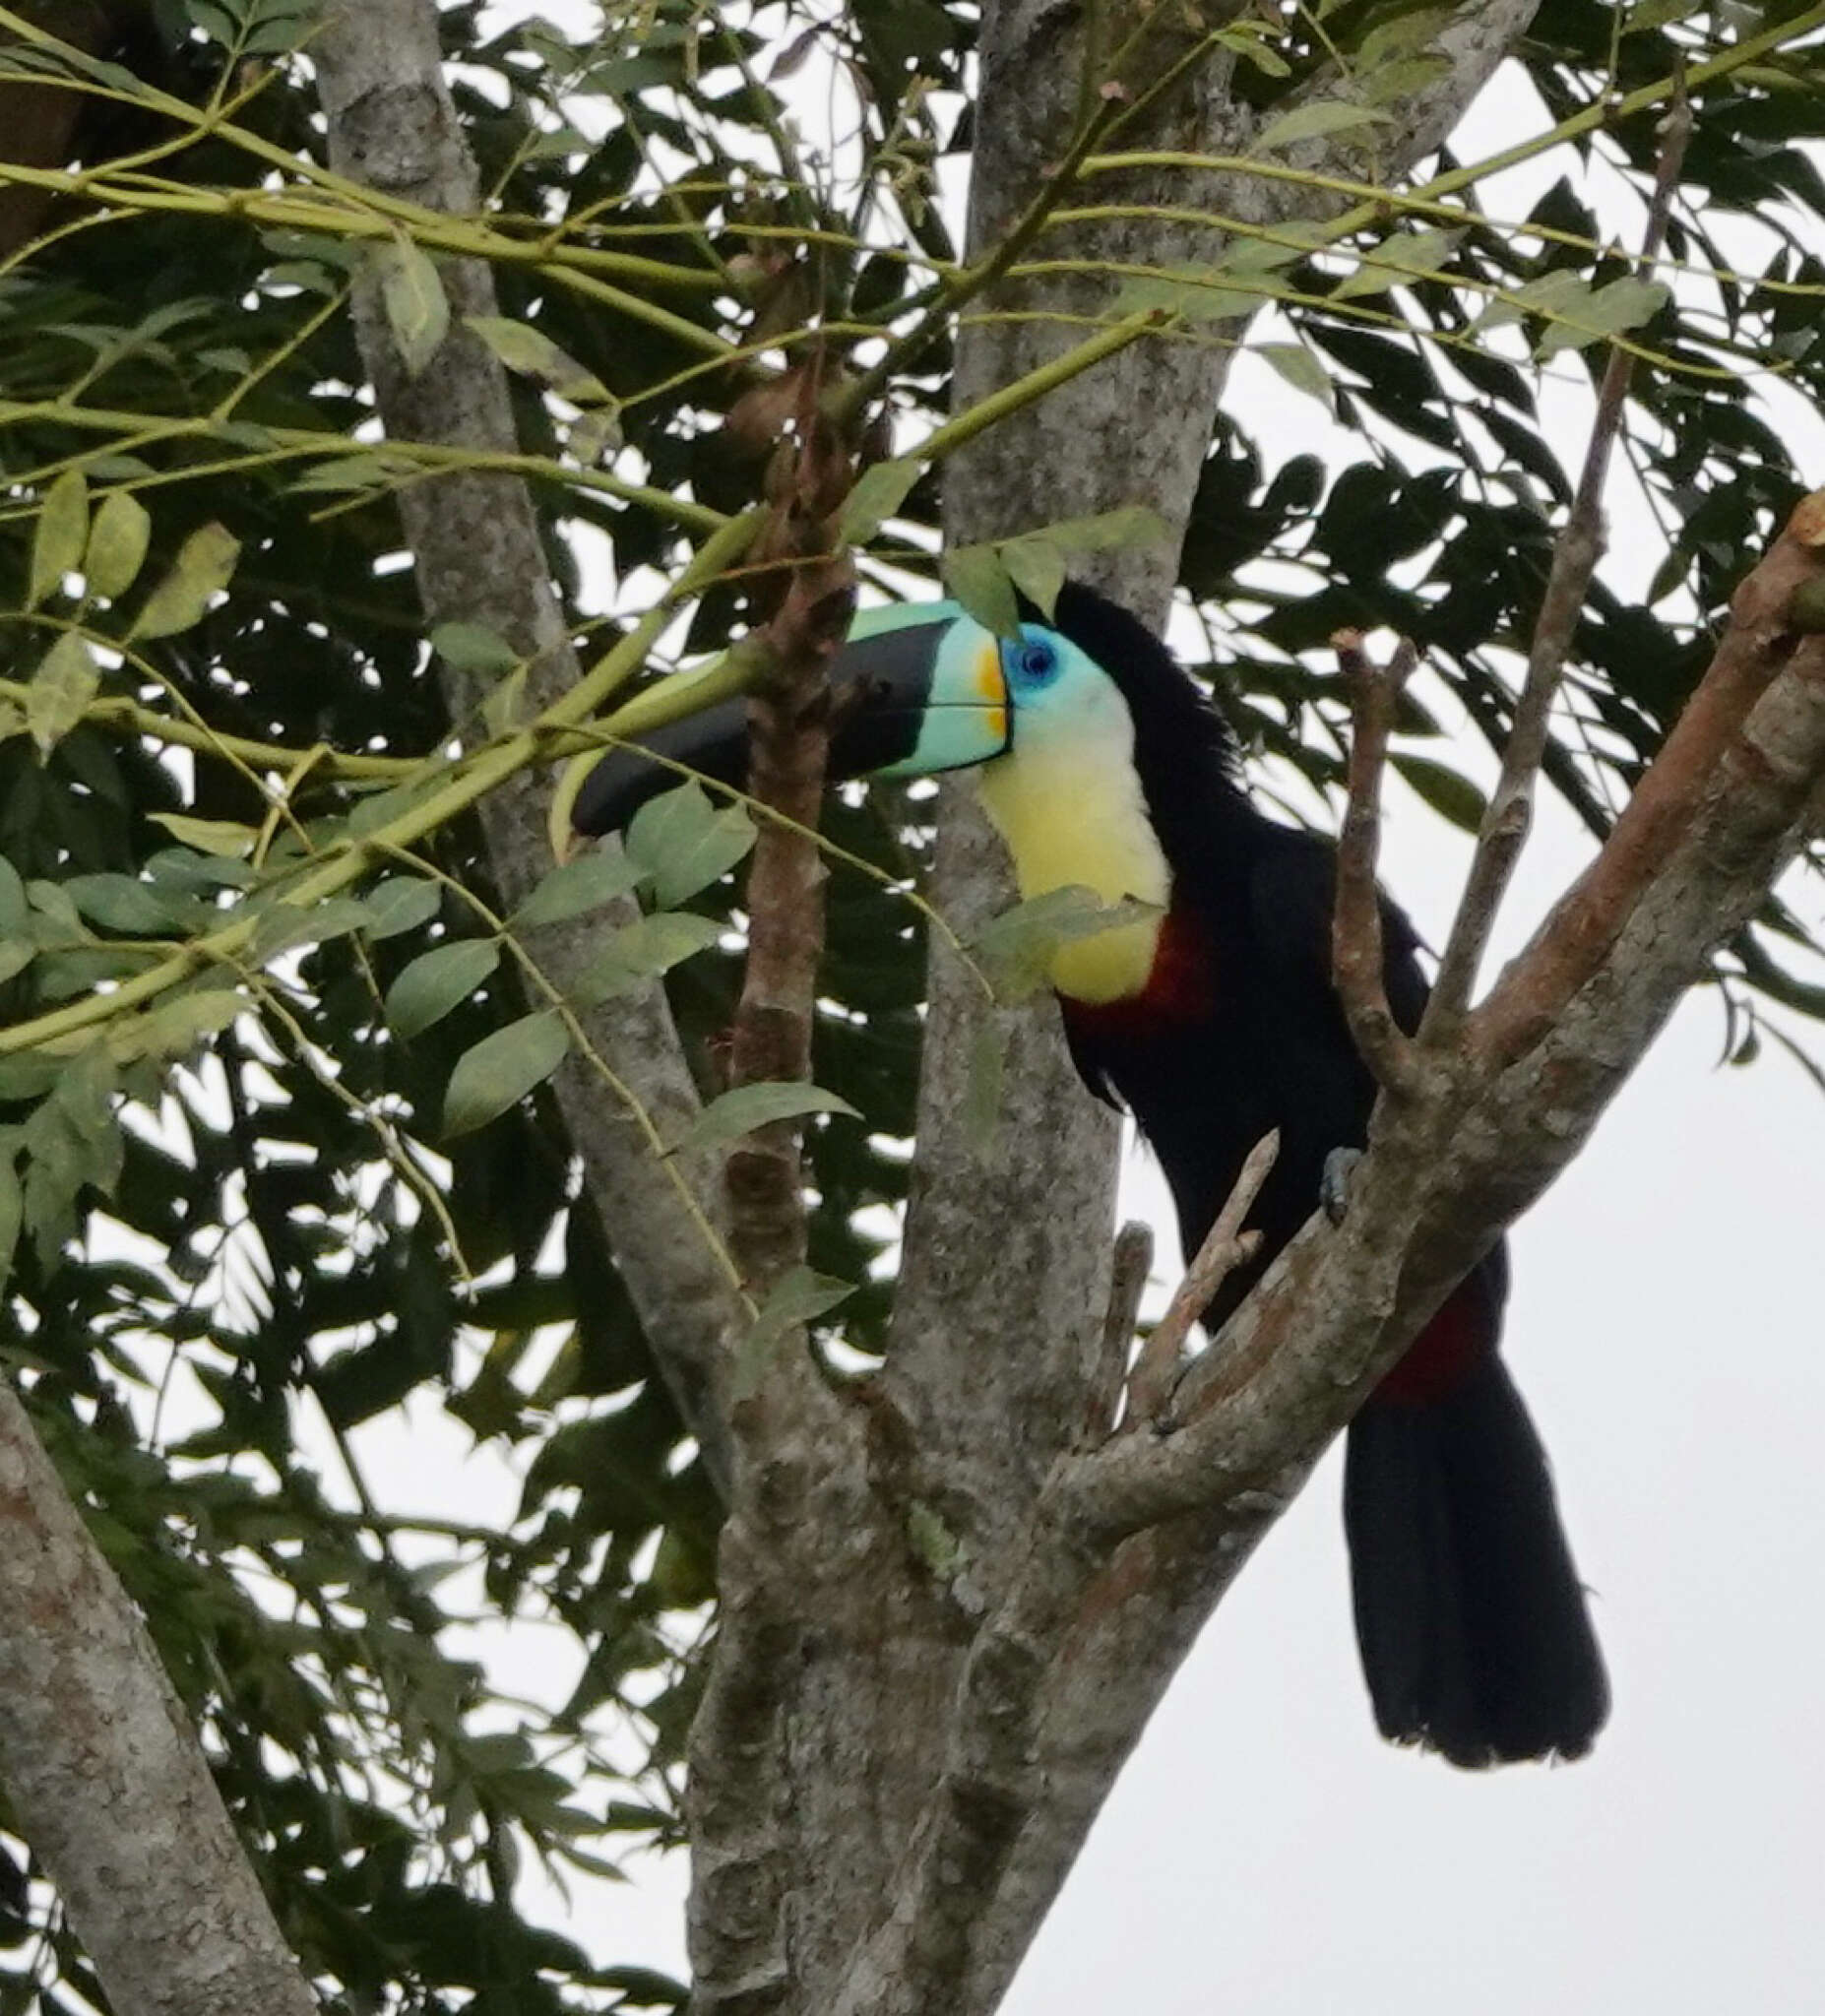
(1075, 815)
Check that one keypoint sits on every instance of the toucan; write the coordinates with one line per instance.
(1210, 1013)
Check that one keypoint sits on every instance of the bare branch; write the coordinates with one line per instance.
(1575, 554)
(1129, 1266)
(1356, 925)
(1225, 1247)
(104, 1773)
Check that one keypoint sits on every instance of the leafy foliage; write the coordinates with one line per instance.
(277, 1164)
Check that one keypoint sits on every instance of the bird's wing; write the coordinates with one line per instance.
(1293, 894)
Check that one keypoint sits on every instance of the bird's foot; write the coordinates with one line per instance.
(1334, 1185)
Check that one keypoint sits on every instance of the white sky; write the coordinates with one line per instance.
(1265, 1851)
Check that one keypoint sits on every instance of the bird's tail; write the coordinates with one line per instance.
(1471, 1619)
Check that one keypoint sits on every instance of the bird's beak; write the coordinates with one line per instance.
(914, 689)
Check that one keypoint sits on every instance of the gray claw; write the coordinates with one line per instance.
(1334, 1184)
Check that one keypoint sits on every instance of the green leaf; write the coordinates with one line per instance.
(877, 495)
(11, 1215)
(350, 472)
(1300, 369)
(685, 844)
(203, 568)
(534, 355)
(1393, 81)
(65, 682)
(62, 529)
(417, 308)
(502, 1069)
(216, 21)
(117, 542)
(287, 925)
(121, 905)
(401, 902)
(1244, 256)
(437, 982)
(381, 809)
(1247, 38)
(1557, 293)
(14, 912)
(593, 434)
(1036, 565)
(51, 899)
(1622, 305)
(579, 887)
(1404, 255)
(1651, 14)
(473, 647)
(745, 1108)
(1120, 531)
(1197, 293)
(976, 578)
(1019, 946)
(504, 708)
(1315, 121)
(226, 837)
(175, 1027)
(1449, 794)
(641, 951)
(16, 954)
(798, 1296)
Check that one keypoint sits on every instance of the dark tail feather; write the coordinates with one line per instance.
(1471, 1622)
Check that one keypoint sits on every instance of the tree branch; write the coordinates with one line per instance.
(476, 542)
(1761, 642)
(1575, 554)
(1356, 925)
(789, 714)
(101, 1764)
(1129, 1266)
(1225, 1247)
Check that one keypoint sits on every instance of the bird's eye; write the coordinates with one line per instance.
(1032, 661)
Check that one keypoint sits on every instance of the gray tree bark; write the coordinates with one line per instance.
(102, 1768)
(474, 542)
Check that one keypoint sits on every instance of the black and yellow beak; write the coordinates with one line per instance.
(916, 689)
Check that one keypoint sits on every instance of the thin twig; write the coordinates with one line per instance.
(1224, 1247)
(1761, 642)
(1129, 1266)
(1355, 923)
(1575, 554)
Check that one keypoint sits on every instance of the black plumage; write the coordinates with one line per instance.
(1473, 1627)
(1474, 1630)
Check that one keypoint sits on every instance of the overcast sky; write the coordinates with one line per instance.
(1265, 1851)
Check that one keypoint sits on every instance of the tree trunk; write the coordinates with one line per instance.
(822, 1781)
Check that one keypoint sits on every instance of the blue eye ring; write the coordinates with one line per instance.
(1032, 661)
